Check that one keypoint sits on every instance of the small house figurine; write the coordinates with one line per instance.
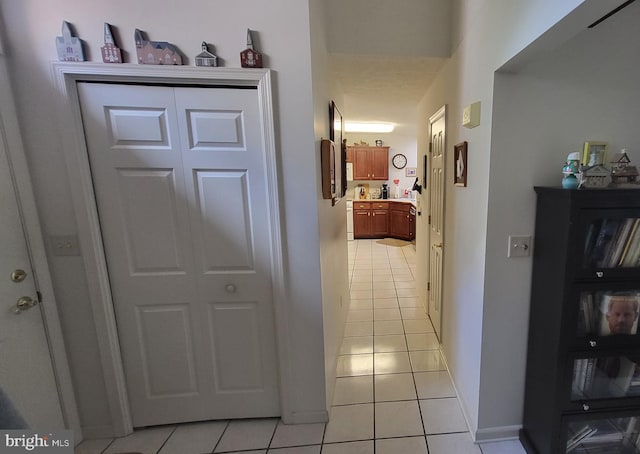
(250, 58)
(110, 52)
(155, 52)
(597, 176)
(206, 58)
(69, 47)
(622, 172)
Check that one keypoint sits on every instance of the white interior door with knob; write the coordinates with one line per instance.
(180, 182)
(26, 373)
(436, 205)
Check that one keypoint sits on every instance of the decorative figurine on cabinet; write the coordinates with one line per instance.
(250, 58)
(155, 52)
(206, 58)
(594, 177)
(110, 52)
(69, 47)
(622, 172)
(570, 171)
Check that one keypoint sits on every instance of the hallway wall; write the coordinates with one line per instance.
(586, 90)
(489, 35)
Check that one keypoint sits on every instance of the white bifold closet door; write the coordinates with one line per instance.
(180, 180)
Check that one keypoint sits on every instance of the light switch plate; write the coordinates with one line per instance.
(519, 246)
(64, 245)
(471, 115)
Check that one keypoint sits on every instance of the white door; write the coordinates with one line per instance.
(180, 182)
(26, 372)
(436, 206)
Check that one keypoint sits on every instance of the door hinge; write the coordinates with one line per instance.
(430, 147)
(39, 295)
(429, 220)
(428, 286)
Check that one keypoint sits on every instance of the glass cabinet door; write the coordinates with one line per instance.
(612, 242)
(605, 377)
(608, 312)
(614, 435)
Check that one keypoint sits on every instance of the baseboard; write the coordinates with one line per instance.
(307, 417)
(502, 433)
(90, 432)
(465, 413)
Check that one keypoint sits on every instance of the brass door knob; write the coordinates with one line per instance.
(18, 275)
(24, 303)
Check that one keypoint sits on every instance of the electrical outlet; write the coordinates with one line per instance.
(519, 246)
(62, 245)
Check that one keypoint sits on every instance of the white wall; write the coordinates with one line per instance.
(30, 30)
(585, 90)
(494, 33)
(332, 220)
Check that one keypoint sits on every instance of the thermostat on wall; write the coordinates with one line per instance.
(471, 115)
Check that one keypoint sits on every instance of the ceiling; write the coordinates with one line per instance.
(387, 50)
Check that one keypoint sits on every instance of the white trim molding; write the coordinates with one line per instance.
(66, 76)
(492, 434)
(10, 134)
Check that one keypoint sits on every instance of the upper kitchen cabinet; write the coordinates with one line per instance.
(369, 163)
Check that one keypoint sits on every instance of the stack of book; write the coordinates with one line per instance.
(613, 243)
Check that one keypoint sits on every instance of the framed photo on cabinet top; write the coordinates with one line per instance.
(594, 153)
(460, 164)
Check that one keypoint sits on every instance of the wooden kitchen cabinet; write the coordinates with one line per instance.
(379, 219)
(362, 222)
(369, 163)
(402, 219)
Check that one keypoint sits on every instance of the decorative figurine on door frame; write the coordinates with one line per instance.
(206, 58)
(155, 52)
(250, 58)
(69, 47)
(110, 52)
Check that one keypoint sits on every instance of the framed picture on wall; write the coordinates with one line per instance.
(460, 164)
(411, 171)
(336, 133)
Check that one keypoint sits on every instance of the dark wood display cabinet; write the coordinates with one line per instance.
(582, 392)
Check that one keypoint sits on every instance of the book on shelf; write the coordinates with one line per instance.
(634, 237)
(603, 241)
(612, 243)
(599, 436)
(619, 243)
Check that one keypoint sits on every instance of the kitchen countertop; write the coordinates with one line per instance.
(402, 200)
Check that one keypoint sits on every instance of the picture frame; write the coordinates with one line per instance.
(410, 171)
(597, 148)
(460, 164)
(336, 135)
(328, 165)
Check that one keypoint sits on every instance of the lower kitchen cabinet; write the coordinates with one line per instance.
(401, 221)
(380, 219)
(362, 223)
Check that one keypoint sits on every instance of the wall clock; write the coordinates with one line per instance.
(399, 161)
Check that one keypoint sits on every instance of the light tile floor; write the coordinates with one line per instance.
(393, 394)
